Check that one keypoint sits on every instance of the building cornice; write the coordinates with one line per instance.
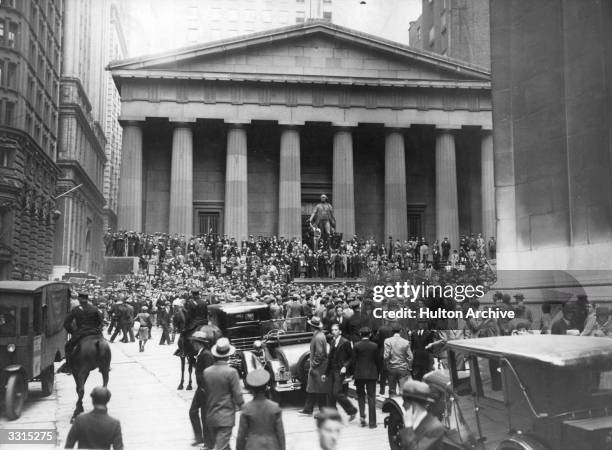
(91, 190)
(299, 79)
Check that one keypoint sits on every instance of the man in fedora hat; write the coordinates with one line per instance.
(96, 429)
(197, 412)
(261, 422)
(317, 388)
(223, 395)
(422, 430)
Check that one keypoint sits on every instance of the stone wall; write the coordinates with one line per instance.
(552, 84)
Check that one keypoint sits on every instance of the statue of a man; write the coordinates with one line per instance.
(323, 218)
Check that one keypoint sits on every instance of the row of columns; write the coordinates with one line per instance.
(289, 219)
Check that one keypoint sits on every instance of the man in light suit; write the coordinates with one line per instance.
(398, 359)
(223, 395)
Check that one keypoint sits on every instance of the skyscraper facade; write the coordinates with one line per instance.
(30, 49)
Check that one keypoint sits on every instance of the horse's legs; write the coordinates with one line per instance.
(190, 369)
(104, 376)
(80, 378)
(180, 386)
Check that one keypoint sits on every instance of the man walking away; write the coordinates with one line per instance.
(340, 358)
(261, 422)
(223, 395)
(366, 367)
(398, 358)
(96, 429)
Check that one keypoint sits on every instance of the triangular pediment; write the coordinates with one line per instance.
(314, 49)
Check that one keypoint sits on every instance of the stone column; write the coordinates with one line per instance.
(235, 220)
(181, 181)
(396, 214)
(343, 186)
(129, 208)
(487, 185)
(447, 213)
(290, 186)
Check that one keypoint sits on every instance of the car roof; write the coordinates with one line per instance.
(28, 286)
(238, 307)
(556, 350)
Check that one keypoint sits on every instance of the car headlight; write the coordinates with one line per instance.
(10, 348)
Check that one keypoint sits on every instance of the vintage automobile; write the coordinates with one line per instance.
(533, 392)
(284, 353)
(32, 338)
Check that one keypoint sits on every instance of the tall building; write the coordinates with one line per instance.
(455, 28)
(209, 20)
(88, 149)
(552, 98)
(107, 103)
(30, 44)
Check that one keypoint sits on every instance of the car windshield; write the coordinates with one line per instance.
(8, 321)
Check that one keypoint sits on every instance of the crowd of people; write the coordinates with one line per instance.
(381, 355)
(292, 258)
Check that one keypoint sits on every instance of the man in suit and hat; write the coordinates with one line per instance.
(83, 320)
(365, 371)
(96, 429)
(340, 358)
(317, 388)
(223, 395)
(261, 422)
(422, 430)
(197, 413)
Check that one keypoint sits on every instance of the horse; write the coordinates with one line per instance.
(93, 352)
(187, 351)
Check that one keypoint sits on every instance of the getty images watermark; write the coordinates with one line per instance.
(414, 292)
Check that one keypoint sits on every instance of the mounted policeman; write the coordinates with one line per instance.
(83, 320)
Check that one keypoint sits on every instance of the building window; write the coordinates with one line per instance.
(38, 101)
(443, 22)
(327, 1)
(5, 157)
(33, 13)
(2, 33)
(299, 1)
(12, 35)
(9, 113)
(419, 34)
(9, 3)
(432, 36)
(327, 15)
(29, 124)
(11, 75)
(300, 16)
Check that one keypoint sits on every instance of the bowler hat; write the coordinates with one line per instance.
(257, 378)
(223, 348)
(365, 331)
(519, 296)
(416, 390)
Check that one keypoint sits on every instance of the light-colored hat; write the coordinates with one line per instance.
(223, 348)
(417, 390)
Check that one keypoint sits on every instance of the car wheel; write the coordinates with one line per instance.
(15, 396)
(394, 426)
(47, 379)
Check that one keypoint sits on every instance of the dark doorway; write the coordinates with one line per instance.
(208, 223)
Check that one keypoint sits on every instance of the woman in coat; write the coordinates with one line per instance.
(261, 424)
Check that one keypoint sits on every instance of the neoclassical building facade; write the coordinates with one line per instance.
(241, 136)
